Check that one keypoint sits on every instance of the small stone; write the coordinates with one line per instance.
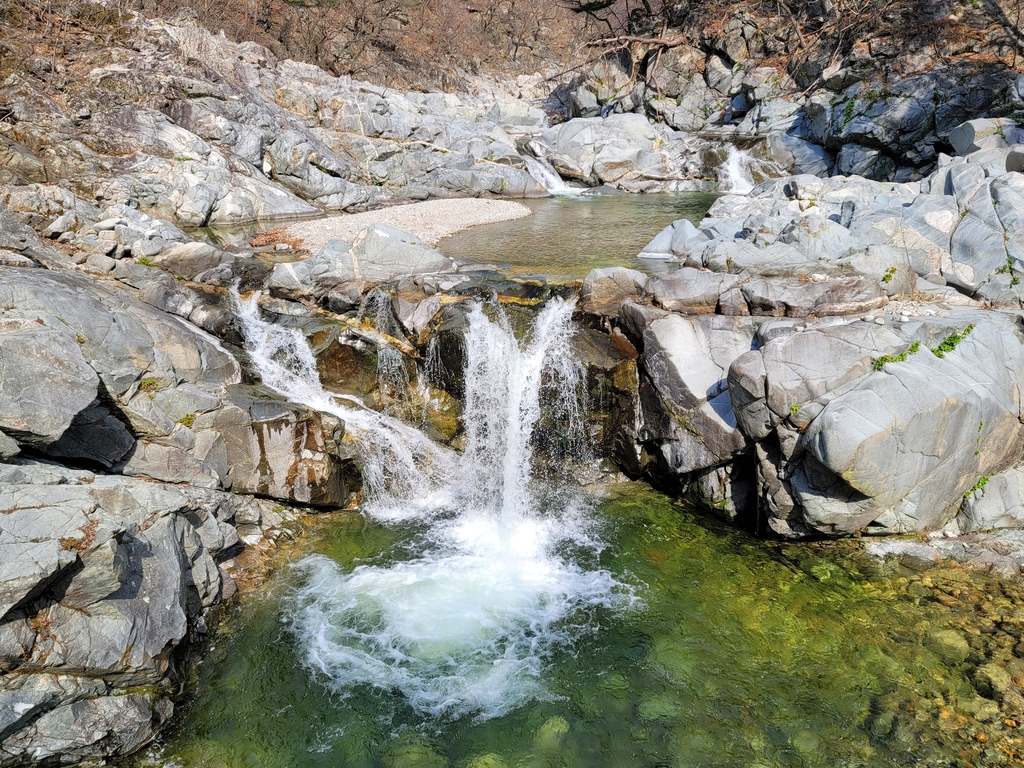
(487, 761)
(281, 247)
(879, 321)
(414, 756)
(981, 738)
(1010, 723)
(807, 742)
(949, 645)
(992, 681)
(96, 262)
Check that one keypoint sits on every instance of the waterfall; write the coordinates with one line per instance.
(546, 174)
(466, 625)
(433, 373)
(734, 174)
(393, 382)
(404, 472)
(503, 401)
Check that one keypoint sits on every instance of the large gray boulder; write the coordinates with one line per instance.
(691, 291)
(605, 290)
(377, 254)
(281, 449)
(983, 133)
(674, 242)
(625, 150)
(851, 441)
(517, 115)
(687, 417)
(327, 267)
(88, 730)
(45, 381)
(142, 392)
(102, 578)
(996, 503)
(382, 253)
(798, 156)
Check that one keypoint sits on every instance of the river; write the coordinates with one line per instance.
(508, 606)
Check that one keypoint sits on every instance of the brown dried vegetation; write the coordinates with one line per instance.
(428, 44)
(435, 44)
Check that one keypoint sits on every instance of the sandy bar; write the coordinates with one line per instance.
(431, 221)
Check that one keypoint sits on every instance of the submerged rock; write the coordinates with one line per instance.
(950, 645)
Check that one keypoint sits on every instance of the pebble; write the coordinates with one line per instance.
(430, 221)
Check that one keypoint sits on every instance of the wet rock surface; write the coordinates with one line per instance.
(109, 569)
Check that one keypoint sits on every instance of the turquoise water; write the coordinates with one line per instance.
(728, 652)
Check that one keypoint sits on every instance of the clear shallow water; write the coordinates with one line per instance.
(566, 237)
(737, 653)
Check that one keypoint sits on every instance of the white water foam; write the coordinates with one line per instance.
(734, 175)
(546, 174)
(466, 626)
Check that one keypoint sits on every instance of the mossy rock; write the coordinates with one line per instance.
(550, 735)
(414, 756)
(949, 645)
(487, 761)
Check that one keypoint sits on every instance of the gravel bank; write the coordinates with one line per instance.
(431, 221)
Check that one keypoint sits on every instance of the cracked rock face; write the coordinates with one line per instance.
(143, 392)
(843, 412)
(893, 450)
(102, 576)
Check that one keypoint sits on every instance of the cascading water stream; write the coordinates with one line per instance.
(734, 175)
(503, 402)
(546, 174)
(466, 624)
(404, 472)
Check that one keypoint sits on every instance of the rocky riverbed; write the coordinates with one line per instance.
(833, 356)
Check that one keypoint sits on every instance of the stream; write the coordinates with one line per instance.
(489, 608)
(567, 236)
